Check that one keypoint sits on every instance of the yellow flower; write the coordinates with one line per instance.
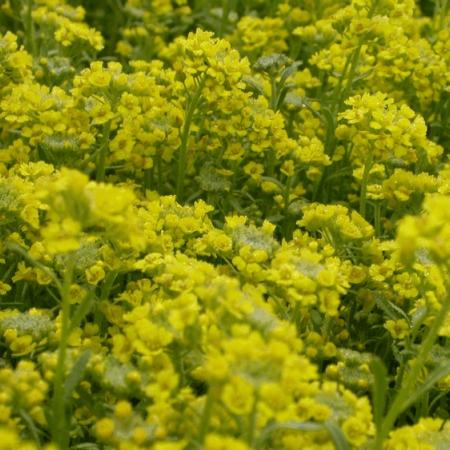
(104, 429)
(100, 78)
(215, 441)
(95, 274)
(181, 445)
(254, 170)
(399, 329)
(238, 396)
(4, 288)
(123, 410)
(355, 431)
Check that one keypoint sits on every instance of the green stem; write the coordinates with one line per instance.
(338, 88)
(286, 207)
(10, 270)
(354, 61)
(377, 212)
(191, 107)
(148, 179)
(31, 427)
(101, 163)
(60, 428)
(224, 18)
(338, 97)
(297, 316)
(22, 252)
(351, 75)
(108, 284)
(252, 421)
(365, 179)
(159, 174)
(442, 13)
(401, 400)
(270, 162)
(206, 416)
(373, 9)
(273, 94)
(29, 29)
(318, 10)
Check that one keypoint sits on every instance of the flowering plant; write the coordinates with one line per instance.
(224, 225)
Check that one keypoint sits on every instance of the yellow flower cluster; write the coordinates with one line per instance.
(24, 332)
(23, 395)
(428, 434)
(16, 63)
(378, 127)
(66, 24)
(224, 225)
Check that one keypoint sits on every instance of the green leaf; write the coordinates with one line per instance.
(339, 440)
(194, 196)
(391, 310)
(301, 426)
(274, 181)
(31, 426)
(290, 70)
(418, 318)
(82, 309)
(271, 63)
(436, 375)
(211, 180)
(294, 100)
(276, 218)
(254, 83)
(85, 446)
(379, 390)
(234, 202)
(328, 117)
(76, 374)
(291, 425)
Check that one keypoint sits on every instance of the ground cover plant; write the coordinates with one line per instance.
(224, 225)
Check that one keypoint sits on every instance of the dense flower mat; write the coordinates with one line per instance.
(225, 225)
